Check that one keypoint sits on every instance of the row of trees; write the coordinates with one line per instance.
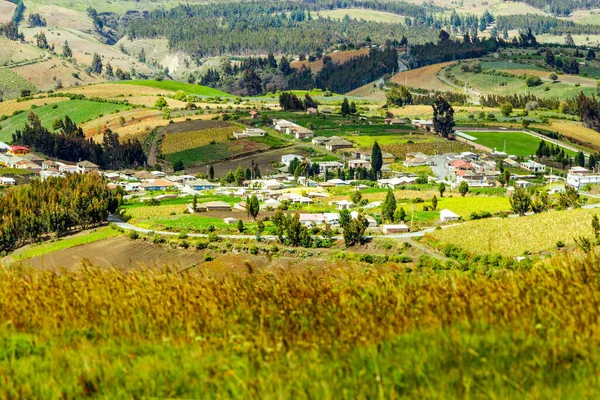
(54, 206)
(290, 102)
(69, 143)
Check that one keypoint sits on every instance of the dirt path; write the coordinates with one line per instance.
(152, 153)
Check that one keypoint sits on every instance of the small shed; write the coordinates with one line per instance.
(389, 229)
(447, 215)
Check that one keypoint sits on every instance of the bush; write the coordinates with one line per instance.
(533, 80)
(134, 235)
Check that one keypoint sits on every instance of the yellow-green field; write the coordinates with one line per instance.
(514, 236)
(367, 15)
(176, 142)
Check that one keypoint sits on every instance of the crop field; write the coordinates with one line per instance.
(78, 110)
(580, 40)
(465, 206)
(133, 118)
(339, 57)
(515, 8)
(588, 17)
(517, 143)
(216, 152)
(192, 134)
(190, 89)
(116, 90)
(184, 223)
(424, 77)
(207, 332)
(514, 236)
(430, 147)
(11, 84)
(574, 130)
(367, 15)
(390, 139)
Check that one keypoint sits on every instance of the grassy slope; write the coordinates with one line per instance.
(490, 84)
(78, 110)
(513, 236)
(189, 89)
(11, 84)
(367, 15)
(65, 243)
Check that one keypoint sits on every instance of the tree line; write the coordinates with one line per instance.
(70, 144)
(53, 206)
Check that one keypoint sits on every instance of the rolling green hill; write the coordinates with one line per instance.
(190, 89)
(79, 111)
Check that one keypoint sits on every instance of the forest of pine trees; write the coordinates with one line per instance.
(53, 206)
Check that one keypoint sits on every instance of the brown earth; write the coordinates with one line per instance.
(424, 77)
(339, 57)
(198, 125)
(65, 18)
(7, 9)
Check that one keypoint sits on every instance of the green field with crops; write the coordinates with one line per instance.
(189, 89)
(79, 111)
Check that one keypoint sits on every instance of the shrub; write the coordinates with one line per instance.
(208, 257)
(134, 235)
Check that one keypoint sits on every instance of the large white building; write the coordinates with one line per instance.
(579, 177)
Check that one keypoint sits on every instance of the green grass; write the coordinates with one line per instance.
(190, 89)
(185, 222)
(490, 84)
(14, 171)
(272, 141)
(388, 139)
(517, 143)
(79, 111)
(208, 153)
(65, 243)
(464, 206)
(11, 84)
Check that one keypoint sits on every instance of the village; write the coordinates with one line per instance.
(321, 191)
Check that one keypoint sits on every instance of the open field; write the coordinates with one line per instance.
(48, 74)
(424, 77)
(62, 17)
(189, 89)
(360, 13)
(15, 52)
(115, 90)
(588, 17)
(44, 249)
(364, 141)
(517, 143)
(514, 236)
(12, 84)
(580, 40)
(133, 118)
(7, 9)
(119, 7)
(339, 57)
(78, 110)
(11, 106)
(491, 84)
(465, 206)
(515, 8)
(84, 45)
(193, 134)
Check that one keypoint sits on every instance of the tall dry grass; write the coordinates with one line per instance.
(325, 333)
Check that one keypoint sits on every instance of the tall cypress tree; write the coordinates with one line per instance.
(376, 158)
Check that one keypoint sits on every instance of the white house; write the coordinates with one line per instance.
(359, 164)
(249, 132)
(578, 180)
(329, 165)
(533, 166)
(447, 216)
(5, 181)
(288, 158)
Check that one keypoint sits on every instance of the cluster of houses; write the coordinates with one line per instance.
(290, 128)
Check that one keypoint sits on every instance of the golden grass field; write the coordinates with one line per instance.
(46, 74)
(14, 52)
(424, 77)
(514, 236)
(10, 106)
(360, 13)
(176, 142)
(339, 57)
(112, 90)
(574, 130)
(7, 10)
